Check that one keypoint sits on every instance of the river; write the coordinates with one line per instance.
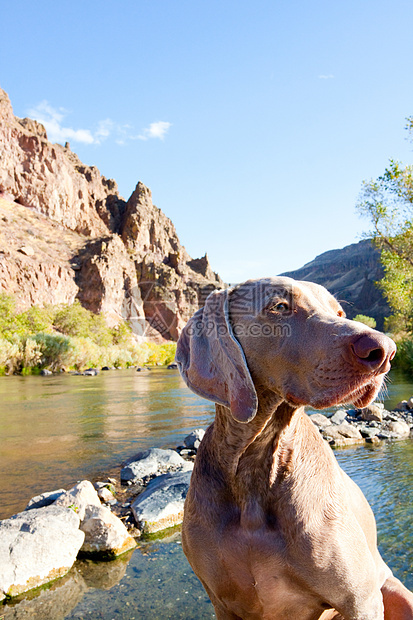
(60, 429)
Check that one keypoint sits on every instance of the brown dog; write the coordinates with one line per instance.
(273, 528)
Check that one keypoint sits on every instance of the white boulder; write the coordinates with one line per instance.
(79, 498)
(37, 546)
(150, 462)
(44, 499)
(105, 534)
(193, 440)
(400, 428)
(320, 420)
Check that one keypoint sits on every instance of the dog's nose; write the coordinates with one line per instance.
(373, 352)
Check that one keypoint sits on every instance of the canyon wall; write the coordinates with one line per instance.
(66, 233)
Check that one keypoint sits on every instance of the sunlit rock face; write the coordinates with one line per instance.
(66, 233)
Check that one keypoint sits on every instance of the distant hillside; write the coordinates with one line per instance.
(350, 275)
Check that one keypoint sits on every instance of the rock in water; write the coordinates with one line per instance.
(161, 505)
(150, 462)
(37, 546)
(44, 499)
(81, 496)
(372, 413)
(193, 440)
(338, 417)
(105, 534)
(399, 428)
(320, 420)
(343, 431)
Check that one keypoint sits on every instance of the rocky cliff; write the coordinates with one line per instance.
(350, 275)
(66, 233)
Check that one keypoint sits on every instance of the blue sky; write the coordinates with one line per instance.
(253, 123)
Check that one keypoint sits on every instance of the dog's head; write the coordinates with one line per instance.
(285, 336)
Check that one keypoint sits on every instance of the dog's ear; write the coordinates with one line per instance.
(212, 362)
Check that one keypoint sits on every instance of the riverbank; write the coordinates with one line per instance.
(372, 424)
(67, 337)
(57, 527)
(53, 353)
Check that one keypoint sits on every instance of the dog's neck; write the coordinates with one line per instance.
(257, 452)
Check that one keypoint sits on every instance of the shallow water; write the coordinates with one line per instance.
(59, 429)
(56, 430)
(159, 584)
(155, 582)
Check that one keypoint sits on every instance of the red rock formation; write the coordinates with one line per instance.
(49, 177)
(35, 257)
(85, 241)
(108, 283)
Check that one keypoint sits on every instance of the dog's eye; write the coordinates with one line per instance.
(281, 306)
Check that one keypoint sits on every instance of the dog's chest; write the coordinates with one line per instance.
(255, 581)
(244, 565)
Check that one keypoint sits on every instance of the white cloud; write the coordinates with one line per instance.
(326, 77)
(57, 131)
(52, 119)
(155, 130)
(105, 128)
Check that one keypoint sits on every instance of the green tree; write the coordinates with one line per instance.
(75, 320)
(388, 203)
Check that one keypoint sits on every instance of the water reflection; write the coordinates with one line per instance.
(60, 429)
(56, 601)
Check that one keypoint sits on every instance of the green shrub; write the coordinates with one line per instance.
(71, 337)
(72, 320)
(10, 355)
(32, 353)
(55, 350)
(8, 323)
(84, 353)
(160, 354)
(36, 320)
(121, 333)
(395, 324)
(367, 320)
(120, 357)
